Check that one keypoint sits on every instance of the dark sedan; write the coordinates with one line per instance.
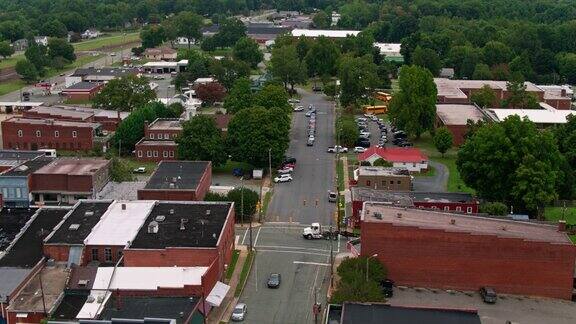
(274, 280)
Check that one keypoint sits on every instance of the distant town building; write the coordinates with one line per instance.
(400, 157)
(82, 90)
(179, 181)
(383, 178)
(455, 118)
(161, 54)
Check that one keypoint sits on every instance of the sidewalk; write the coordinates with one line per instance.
(345, 165)
(223, 313)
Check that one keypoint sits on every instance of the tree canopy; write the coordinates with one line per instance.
(201, 140)
(124, 94)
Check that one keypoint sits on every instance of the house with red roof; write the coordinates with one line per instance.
(401, 157)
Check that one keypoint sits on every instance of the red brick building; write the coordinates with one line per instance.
(179, 181)
(459, 91)
(439, 250)
(82, 90)
(452, 202)
(456, 117)
(32, 134)
(156, 150)
(107, 118)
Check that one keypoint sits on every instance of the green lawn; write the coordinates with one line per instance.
(340, 172)
(244, 274)
(266, 202)
(232, 264)
(557, 213)
(10, 61)
(114, 40)
(231, 165)
(10, 86)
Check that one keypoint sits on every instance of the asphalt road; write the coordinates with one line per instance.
(305, 199)
(303, 265)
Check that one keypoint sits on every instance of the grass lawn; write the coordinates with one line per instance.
(232, 264)
(133, 164)
(395, 85)
(113, 40)
(266, 202)
(10, 86)
(430, 173)
(231, 165)
(244, 274)
(10, 61)
(340, 172)
(557, 213)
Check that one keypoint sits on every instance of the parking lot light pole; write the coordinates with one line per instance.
(367, 264)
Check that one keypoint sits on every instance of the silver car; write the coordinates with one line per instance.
(239, 312)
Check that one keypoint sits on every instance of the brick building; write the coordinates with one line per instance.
(459, 91)
(15, 182)
(82, 90)
(156, 150)
(65, 181)
(383, 178)
(440, 250)
(98, 75)
(161, 54)
(455, 118)
(178, 180)
(33, 134)
(107, 118)
(13, 158)
(453, 202)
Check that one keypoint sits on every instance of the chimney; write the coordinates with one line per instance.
(399, 215)
(562, 225)
(146, 124)
(563, 92)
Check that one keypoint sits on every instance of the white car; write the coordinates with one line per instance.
(239, 312)
(359, 149)
(299, 108)
(283, 178)
(294, 100)
(337, 149)
(285, 170)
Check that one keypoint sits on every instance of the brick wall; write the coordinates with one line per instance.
(100, 250)
(170, 257)
(392, 183)
(47, 139)
(58, 252)
(450, 260)
(60, 182)
(168, 194)
(563, 104)
(156, 152)
(161, 134)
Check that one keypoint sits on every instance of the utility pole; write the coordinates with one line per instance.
(331, 260)
(270, 162)
(242, 200)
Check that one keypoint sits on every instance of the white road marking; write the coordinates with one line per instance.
(244, 237)
(257, 235)
(291, 248)
(236, 239)
(294, 252)
(338, 251)
(312, 263)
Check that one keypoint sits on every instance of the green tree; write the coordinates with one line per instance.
(153, 36)
(5, 49)
(382, 163)
(567, 67)
(464, 60)
(55, 28)
(494, 208)
(482, 72)
(131, 130)
(427, 58)
(505, 154)
(254, 131)
(120, 171)
(124, 94)
(250, 199)
(353, 285)
(348, 131)
(230, 31)
(246, 49)
(187, 24)
(322, 58)
(227, 71)
(286, 66)
(27, 71)
(358, 77)
(58, 47)
(321, 20)
(519, 97)
(36, 54)
(240, 96)
(273, 96)
(443, 140)
(485, 97)
(201, 140)
(521, 65)
(495, 53)
(357, 14)
(413, 108)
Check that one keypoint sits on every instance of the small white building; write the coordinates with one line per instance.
(165, 67)
(41, 40)
(91, 33)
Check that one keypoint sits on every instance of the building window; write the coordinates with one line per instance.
(139, 153)
(74, 134)
(149, 153)
(434, 207)
(171, 153)
(383, 183)
(151, 135)
(20, 133)
(446, 208)
(94, 254)
(398, 182)
(56, 134)
(368, 183)
(38, 133)
(166, 136)
(469, 210)
(19, 193)
(5, 192)
(414, 164)
(108, 254)
(458, 208)
(391, 181)
(165, 154)
(160, 136)
(155, 153)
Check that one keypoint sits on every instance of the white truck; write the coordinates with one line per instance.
(315, 231)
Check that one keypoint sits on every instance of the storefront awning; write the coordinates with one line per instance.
(217, 294)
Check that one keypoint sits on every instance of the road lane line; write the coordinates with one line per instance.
(291, 248)
(295, 252)
(338, 251)
(244, 237)
(312, 263)
(257, 235)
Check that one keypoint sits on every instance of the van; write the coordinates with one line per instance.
(48, 152)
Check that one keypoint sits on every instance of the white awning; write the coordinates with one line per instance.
(217, 294)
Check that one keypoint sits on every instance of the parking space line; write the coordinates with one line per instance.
(257, 235)
(244, 237)
(312, 263)
(290, 248)
(294, 252)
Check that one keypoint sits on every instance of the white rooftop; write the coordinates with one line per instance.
(538, 116)
(162, 64)
(120, 223)
(324, 32)
(21, 103)
(147, 278)
(390, 49)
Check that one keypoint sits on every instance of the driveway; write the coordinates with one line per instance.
(436, 183)
(305, 199)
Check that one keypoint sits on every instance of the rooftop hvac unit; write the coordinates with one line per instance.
(378, 215)
(160, 218)
(153, 227)
(172, 211)
(74, 227)
(89, 213)
(207, 211)
(83, 283)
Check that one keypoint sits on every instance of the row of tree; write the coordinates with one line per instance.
(56, 55)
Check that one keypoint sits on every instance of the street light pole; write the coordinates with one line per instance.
(368, 259)
(242, 200)
(270, 162)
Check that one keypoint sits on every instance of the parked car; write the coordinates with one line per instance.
(365, 134)
(387, 286)
(139, 170)
(316, 88)
(359, 149)
(285, 171)
(310, 106)
(400, 134)
(299, 108)
(239, 312)
(310, 141)
(488, 295)
(274, 280)
(289, 159)
(288, 165)
(332, 196)
(405, 144)
(337, 149)
(283, 178)
(308, 113)
(362, 143)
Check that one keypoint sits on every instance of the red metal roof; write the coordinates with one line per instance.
(394, 154)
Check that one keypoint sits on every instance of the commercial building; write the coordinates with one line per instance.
(12, 158)
(459, 91)
(455, 118)
(400, 157)
(328, 33)
(14, 183)
(391, 51)
(82, 90)
(33, 134)
(156, 150)
(259, 32)
(178, 180)
(548, 116)
(383, 178)
(107, 118)
(65, 181)
(161, 54)
(453, 202)
(468, 252)
(165, 67)
(163, 129)
(99, 75)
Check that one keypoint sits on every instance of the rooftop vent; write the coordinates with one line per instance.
(504, 228)
(172, 211)
(183, 221)
(378, 215)
(171, 185)
(399, 215)
(22, 168)
(123, 206)
(153, 227)
(214, 235)
(207, 211)
(453, 221)
(89, 213)
(160, 218)
(74, 227)
(83, 283)
(90, 299)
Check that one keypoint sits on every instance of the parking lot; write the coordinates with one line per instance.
(517, 309)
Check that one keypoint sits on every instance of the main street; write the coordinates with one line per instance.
(305, 199)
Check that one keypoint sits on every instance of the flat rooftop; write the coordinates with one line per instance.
(60, 111)
(178, 175)
(458, 114)
(404, 198)
(426, 219)
(538, 116)
(12, 220)
(27, 167)
(27, 250)
(53, 283)
(382, 171)
(166, 124)
(202, 223)
(366, 313)
(11, 157)
(10, 279)
(79, 222)
(74, 166)
(149, 307)
(43, 121)
(453, 88)
(83, 86)
(120, 223)
(147, 278)
(69, 307)
(145, 141)
(117, 72)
